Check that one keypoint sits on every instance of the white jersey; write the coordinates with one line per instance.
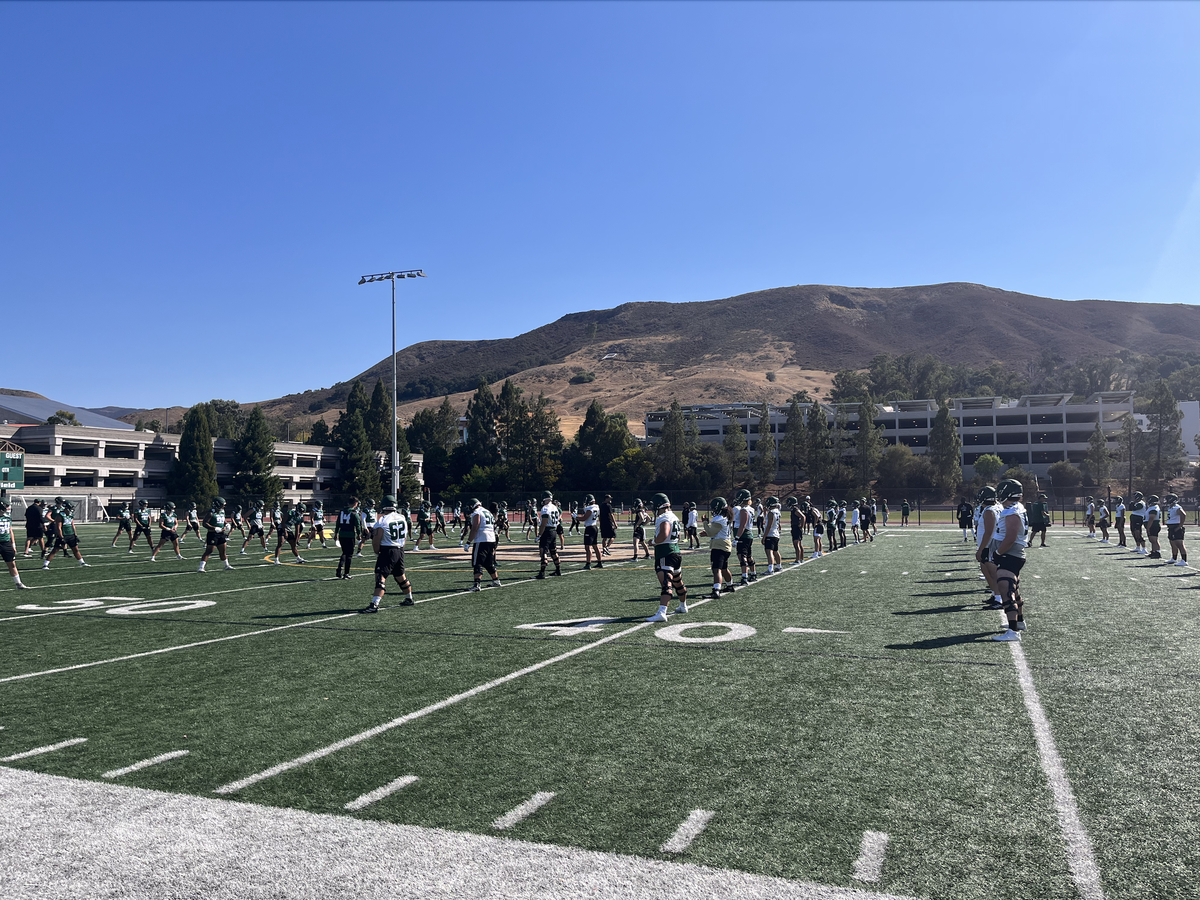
(369, 517)
(771, 529)
(1138, 511)
(393, 528)
(1102, 512)
(854, 518)
(692, 518)
(1091, 510)
(1012, 518)
(1153, 513)
(591, 516)
(553, 515)
(1120, 510)
(743, 520)
(674, 529)
(1175, 515)
(723, 538)
(485, 526)
(981, 526)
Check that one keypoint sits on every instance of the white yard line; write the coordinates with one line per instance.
(145, 764)
(379, 793)
(524, 811)
(869, 865)
(50, 748)
(695, 823)
(1081, 858)
(812, 631)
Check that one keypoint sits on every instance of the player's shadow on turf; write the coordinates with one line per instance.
(948, 593)
(945, 580)
(934, 610)
(316, 612)
(940, 642)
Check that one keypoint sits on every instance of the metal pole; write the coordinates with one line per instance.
(395, 455)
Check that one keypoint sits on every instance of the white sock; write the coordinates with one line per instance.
(716, 587)
(662, 609)
(999, 599)
(16, 579)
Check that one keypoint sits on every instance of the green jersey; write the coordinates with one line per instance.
(66, 522)
(123, 515)
(674, 531)
(215, 520)
(6, 529)
(143, 517)
(168, 522)
(295, 518)
(350, 522)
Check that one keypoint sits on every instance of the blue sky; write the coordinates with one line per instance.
(191, 191)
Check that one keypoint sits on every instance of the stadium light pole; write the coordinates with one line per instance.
(392, 276)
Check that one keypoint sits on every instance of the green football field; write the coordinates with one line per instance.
(847, 722)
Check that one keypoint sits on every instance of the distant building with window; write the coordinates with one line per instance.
(1034, 431)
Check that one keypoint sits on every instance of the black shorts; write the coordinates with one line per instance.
(548, 540)
(691, 532)
(745, 549)
(8, 552)
(123, 525)
(672, 562)
(607, 531)
(591, 535)
(390, 561)
(719, 558)
(1103, 523)
(426, 530)
(1009, 563)
(214, 539)
(1120, 521)
(872, 518)
(167, 537)
(639, 533)
(140, 530)
(1174, 532)
(35, 532)
(71, 541)
(483, 556)
(796, 536)
(818, 529)
(1135, 525)
(345, 538)
(255, 529)
(771, 544)
(1091, 521)
(558, 529)
(1153, 529)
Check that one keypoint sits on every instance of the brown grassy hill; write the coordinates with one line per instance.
(722, 349)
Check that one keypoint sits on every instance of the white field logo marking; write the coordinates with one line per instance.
(812, 631)
(734, 632)
(159, 606)
(524, 811)
(63, 605)
(571, 627)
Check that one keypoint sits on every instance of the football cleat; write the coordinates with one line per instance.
(1008, 635)
(657, 617)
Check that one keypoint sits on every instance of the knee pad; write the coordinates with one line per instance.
(380, 583)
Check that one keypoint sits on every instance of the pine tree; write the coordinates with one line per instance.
(791, 446)
(378, 417)
(357, 401)
(1128, 454)
(764, 459)
(408, 485)
(945, 452)
(868, 446)
(510, 412)
(737, 452)
(195, 474)
(319, 437)
(670, 450)
(1166, 456)
(818, 460)
(483, 442)
(254, 461)
(1098, 463)
(360, 465)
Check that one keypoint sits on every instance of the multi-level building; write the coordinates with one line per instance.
(111, 465)
(1033, 431)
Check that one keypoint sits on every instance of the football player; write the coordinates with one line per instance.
(1009, 540)
(8, 548)
(965, 513)
(549, 520)
(1039, 519)
(720, 545)
(640, 519)
(692, 522)
(502, 521)
(796, 525)
(168, 526)
(1119, 509)
(63, 519)
(1153, 527)
(369, 522)
(141, 525)
(905, 509)
(193, 522)
(482, 538)
(349, 530)
(388, 537)
(1090, 516)
(1137, 521)
(1101, 513)
(772, 520)
(317, 526)
(988, 511)
(591, 531)
(123, 522)
(608, 525)
(35, 528)
(254, 519)
(215, 526)
(743, 533)
(424, 526)
(818, 529)
(1176, 517)
(289, 529)
(668, 563)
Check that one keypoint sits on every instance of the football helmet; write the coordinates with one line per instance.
(986, 494)
(1117, 500)
(169, 506)
(717, 505)
(316, 504)
(589, 499)
(1153, 499)
(141, 504)
(660, 501)
(791, 502)
(1008, 489)
(1137, 495)
(772, 501)
(389, 502)
(742, 496)
(547, 496)
(125, 505)
(1170, 498)
(474, 503)
(219, 503)
(68, 506)
(3, 507)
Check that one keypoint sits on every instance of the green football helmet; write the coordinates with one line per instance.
(589, 499)
(474, 503)
(169, 506)
(791, 502)
(742, 497)
(1153, 499)
(3, 507)
(316, 504)
(717, 505)
(987, 494)
(772, 501)
(141, 504)
(1171, 498)
(389, 502)
(1115, 499)
(1009, 489)
(219, 503)
(1137, 495)
(660, 501)
(125, 505)
(547, 496)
